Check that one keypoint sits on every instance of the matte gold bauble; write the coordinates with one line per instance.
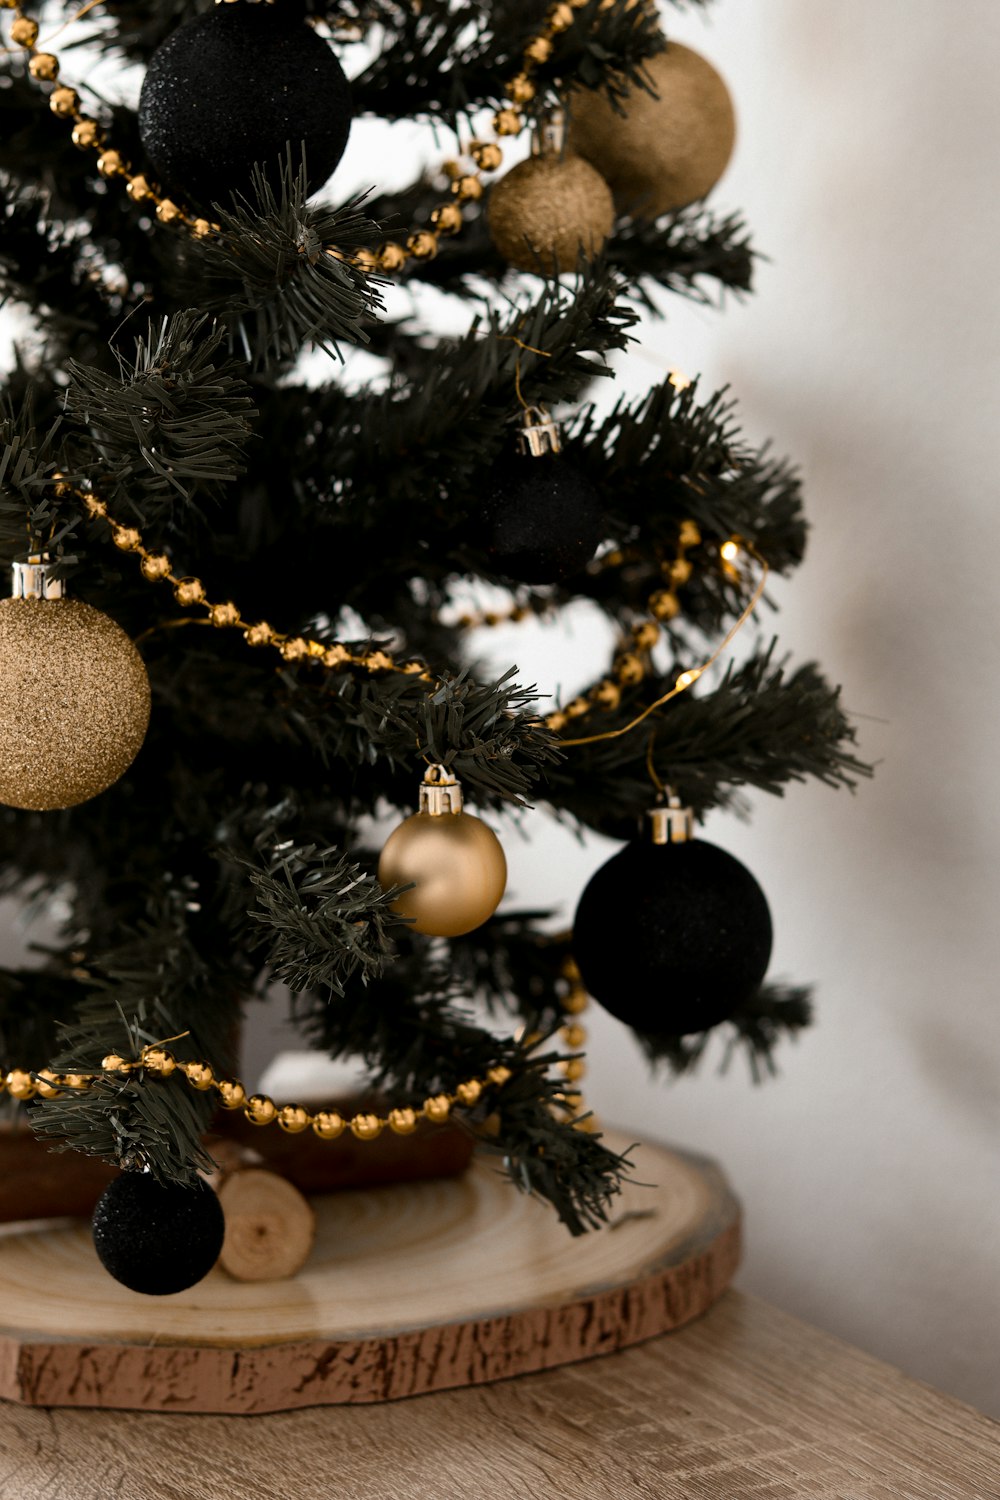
(74, 702)
(454, 862)
(666, 152)
(547, 210)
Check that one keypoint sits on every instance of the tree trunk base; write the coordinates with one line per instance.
(416, 1287)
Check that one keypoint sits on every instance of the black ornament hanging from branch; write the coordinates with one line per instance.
(157, 1238)
(673, 934)
(234, 88)
(542, 516)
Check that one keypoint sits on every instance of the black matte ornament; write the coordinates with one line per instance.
(542, 519)
(230, 88)
(157, 1239)
(672, 938)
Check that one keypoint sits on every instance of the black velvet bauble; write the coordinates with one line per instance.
(541, 519)
(672, 938)
(231, 88)
(157, 1239)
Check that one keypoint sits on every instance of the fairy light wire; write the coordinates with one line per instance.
(688, 678)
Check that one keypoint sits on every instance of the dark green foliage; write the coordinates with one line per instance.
(775, 1012)
(272, 278)
(29, 510)
(175, 421)
(762, 726)
(161, 371)
(327, 919)
(156, 985)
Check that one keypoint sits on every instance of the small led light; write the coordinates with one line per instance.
(679, 380)
(729, 551)
(687, 678)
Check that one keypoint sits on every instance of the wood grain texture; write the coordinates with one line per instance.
(412, 1288)
(744, 1404)
(270, 1226)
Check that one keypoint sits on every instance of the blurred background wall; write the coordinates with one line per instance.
(870, 1171)
(867, 167)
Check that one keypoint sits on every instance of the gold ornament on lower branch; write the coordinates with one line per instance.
(74, 695)
(547, 211)
(669, 148)
(453, 862)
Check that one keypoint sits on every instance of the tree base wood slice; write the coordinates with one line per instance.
(411, 1288)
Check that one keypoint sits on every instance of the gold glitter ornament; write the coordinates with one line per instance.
(668, 151)
(453, 861)
(547, 210)
(74, 695)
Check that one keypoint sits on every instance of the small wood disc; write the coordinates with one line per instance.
(270, 1227)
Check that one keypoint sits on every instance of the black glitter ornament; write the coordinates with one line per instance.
(542, 517)
(157, 1239)
(231, 88)
(672, 937)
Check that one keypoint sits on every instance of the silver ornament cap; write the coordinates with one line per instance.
(440, 792)
(671, 822)
(538, 434)
(33, 579)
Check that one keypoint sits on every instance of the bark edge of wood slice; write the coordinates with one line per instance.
(411, 1288)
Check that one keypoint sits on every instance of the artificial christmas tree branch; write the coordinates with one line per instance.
(761, 727)
(175, 421)
(288, 548)
(601, 46)
(775, 1013)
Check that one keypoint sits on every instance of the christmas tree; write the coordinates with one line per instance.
(286, 552)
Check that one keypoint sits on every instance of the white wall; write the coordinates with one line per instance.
(867, 167)
(869, 1171)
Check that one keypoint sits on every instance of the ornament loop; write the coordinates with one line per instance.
(33, 579)
(539, 434)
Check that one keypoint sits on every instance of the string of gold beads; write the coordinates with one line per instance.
(632, 659)
(191, 594)
(574, 1037)
(445, 220)
(259, 1109)
(631, 662)
(64, 102)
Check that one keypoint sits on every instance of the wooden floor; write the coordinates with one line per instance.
(745, 1404)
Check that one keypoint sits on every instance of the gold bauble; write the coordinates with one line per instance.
(457, 868)
(74, 702)
(547, 210)
(668, 151)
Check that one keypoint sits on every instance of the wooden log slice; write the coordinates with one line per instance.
(411, 1288)
(270, 1227)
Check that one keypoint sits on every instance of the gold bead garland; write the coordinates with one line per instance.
(64, 102)
(574, 1037)
(392, 256)
(259, 1109)
(190, 592)
(631, 662)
